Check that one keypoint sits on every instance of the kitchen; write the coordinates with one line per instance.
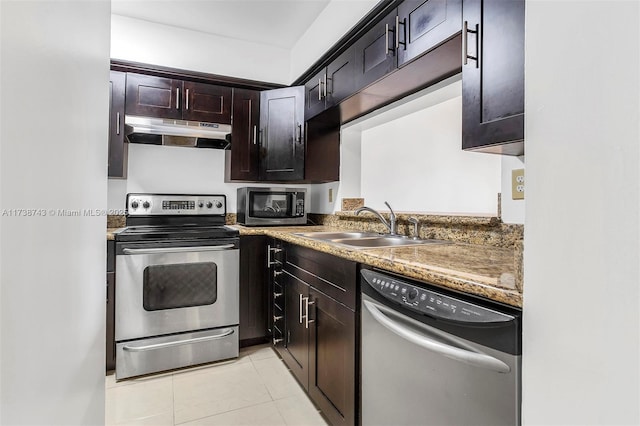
(561, 219)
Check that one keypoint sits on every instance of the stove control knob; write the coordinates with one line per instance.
(200, 204)
(413, 293)
(134, 204)
(209, 204)
(146, 205)
(218, 204)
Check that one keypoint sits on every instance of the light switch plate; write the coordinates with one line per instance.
(331, 195)
(517, 184)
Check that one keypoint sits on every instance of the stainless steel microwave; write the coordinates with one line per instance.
(272, 206)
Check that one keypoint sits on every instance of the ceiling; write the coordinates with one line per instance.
(273, 22)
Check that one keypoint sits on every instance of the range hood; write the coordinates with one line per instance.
(161, 131)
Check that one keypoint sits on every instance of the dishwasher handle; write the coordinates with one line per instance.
(472, 358)
(161, 250)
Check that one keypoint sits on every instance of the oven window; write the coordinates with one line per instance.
(270, 204)
(179, 286)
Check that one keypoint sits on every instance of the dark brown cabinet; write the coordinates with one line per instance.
(111, 312)
(375, 52)
(162, 97)
(117, 147)
(245, 152)
(424, 24)
(206, 102)
(282, 134)
(493, 76)
(151, 96)
(331, 85)
(254, 290)
(319, 344)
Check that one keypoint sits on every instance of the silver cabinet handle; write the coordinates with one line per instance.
(307, 321)
(272, 250)
(186, 102)
(277, 294)
(177, 343)
(320, 89)
(299, 133)
(277, 317)
(404, 32)
(255, 135)
(276, 341)
(325, 84)
(465, 43)
(300, 309)
(117, 123)
(386, 39)
(177, 98)
(276, 273)
(161, 250)
(472, 358)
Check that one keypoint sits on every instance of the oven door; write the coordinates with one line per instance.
(173, 287)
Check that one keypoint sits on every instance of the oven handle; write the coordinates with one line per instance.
(177, 342)
(477, 359)
(176, 249)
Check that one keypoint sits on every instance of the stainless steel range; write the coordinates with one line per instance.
(177, 282)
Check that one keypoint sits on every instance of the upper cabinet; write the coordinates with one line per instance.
(493, 76)
(161, 97)
(282, 134)
(117, 145)
(375, 52)
(331, 85)
(245, 151)
(422, 25)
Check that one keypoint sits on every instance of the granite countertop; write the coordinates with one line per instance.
(485, 271)
(111, 233)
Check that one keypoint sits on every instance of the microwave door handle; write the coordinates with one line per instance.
(161, 250)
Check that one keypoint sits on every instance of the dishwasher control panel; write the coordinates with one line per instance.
(429, 302)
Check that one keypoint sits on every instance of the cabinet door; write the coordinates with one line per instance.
(117, 145)
(341, 82)
(375, 52)
(254, 294)
(244, 135)
(493, 75)
(206, 102)
(151, 96)
(296, 352)
(332, 358)
(315, 95)
(424, 24)
(282, 134)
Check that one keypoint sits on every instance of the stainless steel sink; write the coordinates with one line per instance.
(364, 240)
(385, 241)
(338, 235)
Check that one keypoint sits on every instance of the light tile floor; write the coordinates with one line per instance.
(255, 389)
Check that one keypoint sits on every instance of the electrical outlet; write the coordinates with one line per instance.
(331, 195)
(517, 184)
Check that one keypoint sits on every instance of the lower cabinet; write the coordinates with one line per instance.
(254, 290)
(111, 312)
(319, 336)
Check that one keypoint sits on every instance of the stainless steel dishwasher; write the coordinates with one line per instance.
(434, 357)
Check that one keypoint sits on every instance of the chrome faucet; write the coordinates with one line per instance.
(391, 225)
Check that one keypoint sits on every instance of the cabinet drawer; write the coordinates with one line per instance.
(331, 275)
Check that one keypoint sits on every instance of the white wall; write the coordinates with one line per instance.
(410, 155)
(179, 170)
(147, 42)
(334, 22)
(54, 99)
(581, 360)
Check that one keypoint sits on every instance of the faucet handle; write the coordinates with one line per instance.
(416, 224)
